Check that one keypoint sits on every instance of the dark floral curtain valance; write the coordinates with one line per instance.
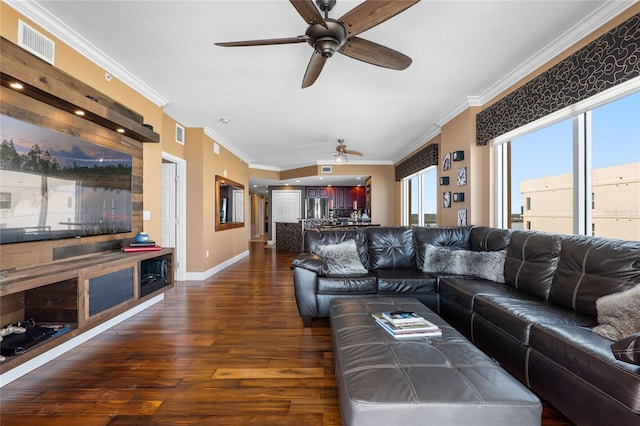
(421, 160)
(606, 62)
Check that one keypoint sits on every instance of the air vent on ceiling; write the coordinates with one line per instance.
(179, 134)
(326, 169)
(32, 41)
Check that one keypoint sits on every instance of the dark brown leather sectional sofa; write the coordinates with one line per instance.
(538, 324)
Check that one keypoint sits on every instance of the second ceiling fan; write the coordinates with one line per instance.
(327, 35)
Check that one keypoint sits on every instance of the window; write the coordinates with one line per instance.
(559, 166)
(5, 200)
(420, 198)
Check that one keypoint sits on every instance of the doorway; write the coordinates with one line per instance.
(174, 211)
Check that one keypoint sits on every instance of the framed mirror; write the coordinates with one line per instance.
(229, 204)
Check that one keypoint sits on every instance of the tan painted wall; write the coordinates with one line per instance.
(202, 167)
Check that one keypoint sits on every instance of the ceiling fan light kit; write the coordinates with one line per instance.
(327, 35)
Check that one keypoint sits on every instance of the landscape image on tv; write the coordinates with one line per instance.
(53, 185)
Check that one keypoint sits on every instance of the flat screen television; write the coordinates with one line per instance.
(53, 185)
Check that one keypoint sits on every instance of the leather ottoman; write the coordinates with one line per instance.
(431, 380)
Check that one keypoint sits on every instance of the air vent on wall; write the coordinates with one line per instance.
(34, 42)
(326, 169)
(179, 134)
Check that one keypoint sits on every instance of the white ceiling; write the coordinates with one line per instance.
(464, 53)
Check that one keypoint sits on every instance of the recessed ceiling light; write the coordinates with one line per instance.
(120, 130)
(320, 178)
(16, 85)
(225, 120)
(80, 112)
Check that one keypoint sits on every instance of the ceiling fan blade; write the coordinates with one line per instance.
(309, 12)
(371, 13)
(350, 152)
(374, 53)
(313, 69)
(266, 42)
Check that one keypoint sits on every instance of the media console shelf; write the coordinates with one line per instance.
(82, 292)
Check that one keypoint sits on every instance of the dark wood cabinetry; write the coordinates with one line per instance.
(342, 197)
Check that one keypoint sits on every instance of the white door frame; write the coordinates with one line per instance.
(181, 215)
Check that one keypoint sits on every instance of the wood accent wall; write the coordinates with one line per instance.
(48, 108)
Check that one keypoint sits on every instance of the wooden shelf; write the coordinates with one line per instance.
(52, 86)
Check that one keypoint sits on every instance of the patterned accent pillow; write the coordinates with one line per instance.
(619, 314)
(488, 265)
(341, 258)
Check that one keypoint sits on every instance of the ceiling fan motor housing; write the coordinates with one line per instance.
(326, 40)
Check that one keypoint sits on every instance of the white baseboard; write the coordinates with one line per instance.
(40, 360)
(199, 276)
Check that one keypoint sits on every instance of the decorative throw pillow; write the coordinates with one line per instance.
(488, 265)
(627, 349)
(618, 314)
(341, 258)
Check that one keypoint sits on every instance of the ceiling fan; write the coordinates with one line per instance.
(327, 35)
(342, 151)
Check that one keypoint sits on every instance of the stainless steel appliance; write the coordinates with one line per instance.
(317, 208)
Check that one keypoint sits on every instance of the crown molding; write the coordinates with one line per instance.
(417, 144)
(573, 35)
(264, 167)
(60, 30)
(224, 143)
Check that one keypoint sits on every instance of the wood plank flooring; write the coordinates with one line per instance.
(230, 350)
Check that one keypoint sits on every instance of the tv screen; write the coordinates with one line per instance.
(54, 186)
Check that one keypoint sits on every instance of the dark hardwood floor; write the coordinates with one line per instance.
(230, 350)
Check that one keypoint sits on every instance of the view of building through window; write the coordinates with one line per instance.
(423, 196)
(542, 176)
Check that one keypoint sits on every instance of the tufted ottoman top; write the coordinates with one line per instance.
(433, 380)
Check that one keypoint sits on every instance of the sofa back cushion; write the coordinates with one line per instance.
(450, 237)
(314, 238)
(532, 259)
(484, 238)
(391, 247)
(592, 267)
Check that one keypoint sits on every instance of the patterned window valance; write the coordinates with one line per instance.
(606, 62)
(421, 160)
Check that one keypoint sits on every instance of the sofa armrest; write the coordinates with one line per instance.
(311, 262)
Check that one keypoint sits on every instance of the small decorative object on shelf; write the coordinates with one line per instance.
(141, 242)
(458, 155)
(444, 180)
(458, 197)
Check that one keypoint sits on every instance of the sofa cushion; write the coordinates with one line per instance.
(619, 314)
(592, 267)
(463, 291)
(515, 314)
(532, 259)
(484, 238)
(390, 247)
(341, 258)
(348, 285)
(401, 281)
(627, 349)
(452, 237)
(488, 265)
(313, 238)
(589, 357)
